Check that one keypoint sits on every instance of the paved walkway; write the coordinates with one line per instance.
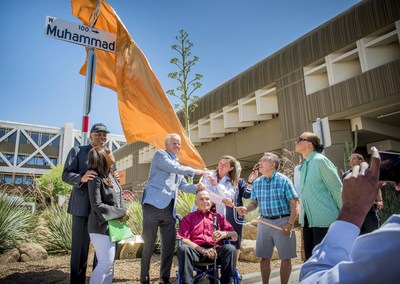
(255, 278)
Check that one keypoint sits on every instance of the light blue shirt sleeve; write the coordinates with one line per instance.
(343, 257)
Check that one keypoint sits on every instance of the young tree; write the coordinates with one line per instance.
(187, 84)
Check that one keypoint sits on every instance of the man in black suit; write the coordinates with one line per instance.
(76, 174)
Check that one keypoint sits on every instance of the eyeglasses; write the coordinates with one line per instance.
(300, 139)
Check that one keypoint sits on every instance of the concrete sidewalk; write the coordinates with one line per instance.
(255, 278)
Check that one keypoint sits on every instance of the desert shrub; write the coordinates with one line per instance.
(51, 184)
(59, 235)
(16, 222)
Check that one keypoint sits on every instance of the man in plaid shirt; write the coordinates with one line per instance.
(274, 195)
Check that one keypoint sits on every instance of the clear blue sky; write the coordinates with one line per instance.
(39, 76)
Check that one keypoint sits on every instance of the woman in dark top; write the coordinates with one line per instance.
(106, 203)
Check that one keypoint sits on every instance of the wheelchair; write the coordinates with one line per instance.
(205, 270)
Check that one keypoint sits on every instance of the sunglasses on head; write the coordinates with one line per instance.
(300, 139)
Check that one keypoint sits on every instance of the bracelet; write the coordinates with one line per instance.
(290, 224)
(379, 200)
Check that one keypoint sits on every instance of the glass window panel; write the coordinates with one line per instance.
(45, 138)
(3, 132)
(10, 158)
(32, 161)
(23, 139)
(113, 148)
(56, 142)
(41, 161)
(12, 137)
(20, 158)
(35, 137)
(76, 142)
(27, 180)
(54, 161)
(7, 179)
(18, 180)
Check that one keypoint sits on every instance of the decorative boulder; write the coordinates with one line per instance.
(250, 230)
(31, 252)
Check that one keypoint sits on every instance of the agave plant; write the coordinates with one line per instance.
(184, 203)
(16, 222)
(136, 220)
(59, 224)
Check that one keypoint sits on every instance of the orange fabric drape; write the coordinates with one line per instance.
(145, 111)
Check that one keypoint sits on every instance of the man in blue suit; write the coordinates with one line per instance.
(158, 203)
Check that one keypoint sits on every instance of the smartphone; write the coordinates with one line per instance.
(390, 166)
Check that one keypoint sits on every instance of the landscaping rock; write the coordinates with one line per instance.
(32, 251)
(10, 257)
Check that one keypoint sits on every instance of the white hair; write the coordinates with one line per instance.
(170, 136)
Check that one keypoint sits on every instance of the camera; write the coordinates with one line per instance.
(390, 166)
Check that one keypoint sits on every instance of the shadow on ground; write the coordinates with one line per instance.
(42, 277)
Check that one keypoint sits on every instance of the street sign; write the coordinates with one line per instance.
(79, 34)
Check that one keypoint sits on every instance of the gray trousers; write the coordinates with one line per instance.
(154, 218)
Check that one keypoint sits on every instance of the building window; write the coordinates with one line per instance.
(6, 179)
(12, 138)
(18, 180)
(54, 161)
(4, 131)
(27, 180)
(20, 158)
(10, 158)
(35, 137)
(32, 161)
(45, 138)
(56, 142)
(23, 139)
(40, 161)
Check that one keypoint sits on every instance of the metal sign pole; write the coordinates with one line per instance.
(90, 73)
(87, 99)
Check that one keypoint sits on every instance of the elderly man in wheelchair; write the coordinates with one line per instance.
(201, 233)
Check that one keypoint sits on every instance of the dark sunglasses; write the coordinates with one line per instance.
(299, 139)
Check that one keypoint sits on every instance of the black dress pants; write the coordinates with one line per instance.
(154, 218)
(312, 236)
(79, 250)
(187, 257)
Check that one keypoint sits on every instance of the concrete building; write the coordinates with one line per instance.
(346, 70)
(28, 150)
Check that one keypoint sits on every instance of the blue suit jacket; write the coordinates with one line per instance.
(165, 178)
